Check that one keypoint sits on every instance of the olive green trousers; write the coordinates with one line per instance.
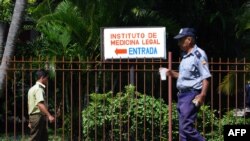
(38, 128)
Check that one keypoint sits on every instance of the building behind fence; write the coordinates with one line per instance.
(119, 99)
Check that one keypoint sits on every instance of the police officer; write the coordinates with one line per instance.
(192, 83)
(247, 96)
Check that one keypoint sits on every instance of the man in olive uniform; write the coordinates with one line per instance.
(37, 108)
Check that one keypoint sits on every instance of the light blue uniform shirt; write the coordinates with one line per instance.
(193, 69)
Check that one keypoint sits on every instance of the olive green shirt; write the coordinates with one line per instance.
(36, 94)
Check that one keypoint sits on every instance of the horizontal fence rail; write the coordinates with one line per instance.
(117, 100)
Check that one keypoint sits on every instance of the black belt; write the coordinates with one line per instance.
(189, 90)
(35, 114)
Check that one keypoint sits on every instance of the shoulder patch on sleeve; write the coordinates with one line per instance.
(198, 54)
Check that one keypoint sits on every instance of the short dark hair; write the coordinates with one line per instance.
(42, 73)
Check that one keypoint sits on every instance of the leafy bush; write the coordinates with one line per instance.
(131, 115)
(207, 122)
(227, 119)
(128, 115)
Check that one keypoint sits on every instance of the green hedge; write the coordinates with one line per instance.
(133, 115)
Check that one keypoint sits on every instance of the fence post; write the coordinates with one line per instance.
(169, 98)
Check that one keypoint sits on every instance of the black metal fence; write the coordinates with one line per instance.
(123, 99)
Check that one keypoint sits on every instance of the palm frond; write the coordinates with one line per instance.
(68, 15)
(228, 83)
(243, 20)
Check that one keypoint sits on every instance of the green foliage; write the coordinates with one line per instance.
(243, 20)
(207, 121)
(6, 9)
(65, 32)
(126, 115)
(227, 119)
(230, 119)
(227, 85)
(130, 114)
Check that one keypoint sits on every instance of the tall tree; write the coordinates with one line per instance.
(6, 10)
(15, 25)
(2, 34)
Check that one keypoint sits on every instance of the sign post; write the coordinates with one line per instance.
(133, 43)
(136, 43)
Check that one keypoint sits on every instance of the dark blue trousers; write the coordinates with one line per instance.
(248, 95)
(187, 113)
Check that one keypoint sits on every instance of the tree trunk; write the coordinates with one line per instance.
(2, 37)
(15, 25)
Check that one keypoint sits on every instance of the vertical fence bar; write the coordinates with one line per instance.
(14, 86)
(96, 91)
(57, 109)
(47, 86)
(228, 95)
(177, 103)
(79, 101)
(212, 99)
(236, 84)
(244, 88)
(6, 106)
(23, 97)
(104, 103)
(30, 73)
(120, 75)
(152, 94)
(63, 102)
(161, 103)
(71, 100)
(87, 89)
(144, 91)
(112, 88)
(120, 108)
(130, 72)
(136, 83)
(169, 98)
(220, 109)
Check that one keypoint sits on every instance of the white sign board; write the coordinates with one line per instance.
(129, 43)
